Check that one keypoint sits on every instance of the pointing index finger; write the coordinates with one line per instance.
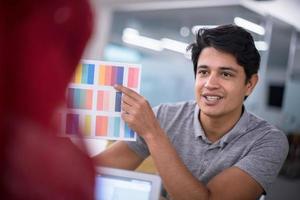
(127, 91)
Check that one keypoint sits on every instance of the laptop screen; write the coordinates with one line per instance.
(115, 184)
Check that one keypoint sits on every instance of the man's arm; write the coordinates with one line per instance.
(118, 155)
(232, 183)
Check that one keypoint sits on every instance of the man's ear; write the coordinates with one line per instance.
(251, 84)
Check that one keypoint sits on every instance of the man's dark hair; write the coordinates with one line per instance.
(230, 39)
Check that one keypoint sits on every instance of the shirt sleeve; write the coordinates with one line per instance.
(264, 161)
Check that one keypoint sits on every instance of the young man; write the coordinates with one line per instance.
(211, 148)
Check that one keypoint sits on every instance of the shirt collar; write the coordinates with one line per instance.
(199, 132)
(239, 128)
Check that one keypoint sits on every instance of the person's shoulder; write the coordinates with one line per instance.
(266, 129)
(258, 122)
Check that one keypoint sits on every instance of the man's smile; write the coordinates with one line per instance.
(211, 99)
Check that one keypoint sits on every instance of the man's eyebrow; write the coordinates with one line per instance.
(202, 66)
(228, 69)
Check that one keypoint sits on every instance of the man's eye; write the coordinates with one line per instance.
(226, 74)
(202, 72)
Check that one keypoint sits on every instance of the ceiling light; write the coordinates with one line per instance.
(261, 45)
(131, 36)
(174, 45)
(249, 25)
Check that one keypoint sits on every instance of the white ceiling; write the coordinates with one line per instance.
(286, 10)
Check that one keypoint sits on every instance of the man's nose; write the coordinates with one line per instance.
(212, 82)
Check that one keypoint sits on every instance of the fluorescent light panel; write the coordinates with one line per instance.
(249, 25)
(132, 36)
(174, 45)
(261, 45)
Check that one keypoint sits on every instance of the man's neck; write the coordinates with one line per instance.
(216, 127)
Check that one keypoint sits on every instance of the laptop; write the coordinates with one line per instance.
(119, 184)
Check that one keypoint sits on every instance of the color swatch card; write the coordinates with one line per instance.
(93, 105)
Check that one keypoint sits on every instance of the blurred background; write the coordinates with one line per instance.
(155, 34)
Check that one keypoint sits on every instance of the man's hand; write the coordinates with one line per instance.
(137, 113)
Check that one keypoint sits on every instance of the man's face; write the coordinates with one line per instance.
(220, 84)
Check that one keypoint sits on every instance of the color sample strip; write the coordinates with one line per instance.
(118, 100)
(72, 124)
(103, 100)
(100, 100)
(113, 75)
(110, 75)
(101, 79)
(78, 74)
(133, 77)
(108, 126)
(120, 75)
(128, 132)
(112, 99)
(90, 71)
(114, 127)
(80, 98)
(116, 132)
(101, 125)
(111, 126)
(109, 101)
(86, 127)
(85, 74)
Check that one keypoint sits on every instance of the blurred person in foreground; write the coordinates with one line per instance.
(41, 43)
(210, 148)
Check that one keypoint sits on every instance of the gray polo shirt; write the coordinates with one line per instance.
(253, 144)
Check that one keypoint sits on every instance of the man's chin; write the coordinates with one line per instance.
(211, 113)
